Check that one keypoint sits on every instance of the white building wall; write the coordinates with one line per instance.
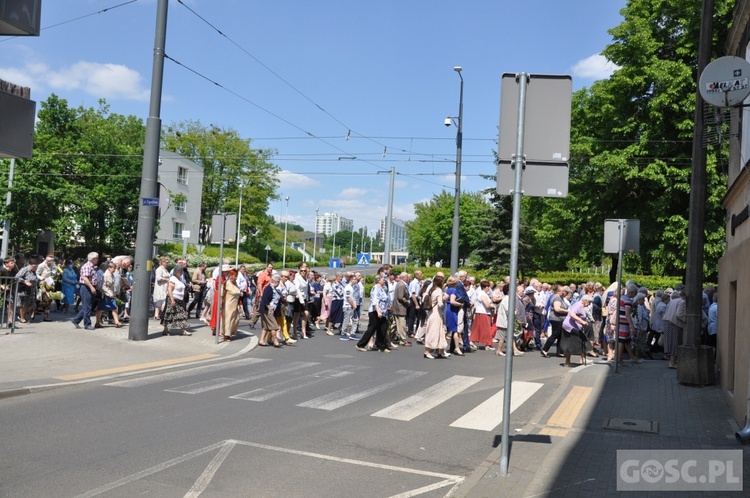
(180, 176)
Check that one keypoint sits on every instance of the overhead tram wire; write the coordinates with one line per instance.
(245, 99)
(297, 90)
(101, 11)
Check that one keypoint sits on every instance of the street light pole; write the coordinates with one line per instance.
(286, 223)
(362, 241)
(459, 142)
(315, 237)
(239, 224)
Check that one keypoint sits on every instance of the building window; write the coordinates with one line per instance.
(182, 175)
(177, 229)
(180, 206)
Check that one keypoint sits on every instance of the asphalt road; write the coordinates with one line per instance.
(316, 419)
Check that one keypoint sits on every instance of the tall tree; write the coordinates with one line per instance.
(228, 161)
(430, 233)
(631, 145)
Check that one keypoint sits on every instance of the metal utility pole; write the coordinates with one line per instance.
(141, 295)
(239, 225)
(387, 249)
(315, 238)
(459, 144)
(523, 79)
(6, 225)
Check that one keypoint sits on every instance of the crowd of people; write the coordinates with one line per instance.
(447, 316)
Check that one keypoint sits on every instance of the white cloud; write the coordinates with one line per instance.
(596, 67)
(352, 193)
(108, 81)
(291, 180)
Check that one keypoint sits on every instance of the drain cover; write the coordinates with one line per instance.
(633, 425)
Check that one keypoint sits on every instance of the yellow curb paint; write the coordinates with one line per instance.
(130, 368)
(563, 418)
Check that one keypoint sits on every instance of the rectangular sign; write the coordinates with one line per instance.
(539, 179)
(150, 201)
(16, 126)
(546, 117)
(363, 259)
(679, 470)
(631, 236)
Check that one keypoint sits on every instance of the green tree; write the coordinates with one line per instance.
(431, 232)
(83, 180)
(228, 162)
(494, 252)
(631, 145)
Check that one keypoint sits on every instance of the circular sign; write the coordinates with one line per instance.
(725, 82)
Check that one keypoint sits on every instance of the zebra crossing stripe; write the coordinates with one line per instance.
(286, 386)
(489, 414)
(213, 384)
(349, 395)
(155, 379)
(416, 405)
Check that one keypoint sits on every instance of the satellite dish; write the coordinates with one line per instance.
(725, 82)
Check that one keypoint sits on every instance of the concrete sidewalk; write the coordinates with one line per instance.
(641, 408)
(46, 354)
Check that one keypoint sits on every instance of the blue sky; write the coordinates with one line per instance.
(300, 76)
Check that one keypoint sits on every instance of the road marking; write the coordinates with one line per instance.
(562, 420)
(130, 368)
(155, 379)
(225, 447)
(153, 470)
(205, 478)
(416, 405)
(213, 384)
(286, 386)
(349, 395)
(489, 414)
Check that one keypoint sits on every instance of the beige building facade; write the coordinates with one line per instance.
(733, 354)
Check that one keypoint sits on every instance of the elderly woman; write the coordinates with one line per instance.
(558, 311)
(174, 309)
(161, 279)
(481, 328)
(69, 282)
(434, 337)
(377, 322)
(230, 321)
(28, 282)
(107, 302)
(573, 340)
(451, 314)
(503, 324)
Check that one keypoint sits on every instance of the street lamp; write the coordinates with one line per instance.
(458, 122)
(315, 236)
(286, 223)
(239, 224)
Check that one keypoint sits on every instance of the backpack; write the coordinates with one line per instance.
(427, 300)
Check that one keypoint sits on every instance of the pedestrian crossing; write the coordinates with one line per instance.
(270, 380)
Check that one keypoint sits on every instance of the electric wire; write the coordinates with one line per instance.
(102, 11)
(290, 85)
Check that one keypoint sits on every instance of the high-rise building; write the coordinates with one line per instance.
(398, 234)
(330, 223)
